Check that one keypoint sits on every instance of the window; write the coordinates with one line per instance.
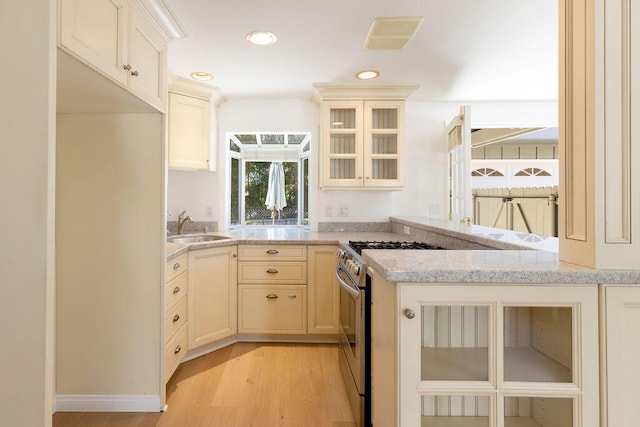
(252, 157)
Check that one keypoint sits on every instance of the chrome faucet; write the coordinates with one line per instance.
(182, 220)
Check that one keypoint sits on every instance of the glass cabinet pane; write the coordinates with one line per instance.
(343, 143)
(384, 118)
(455, 343)
(384, 169)
(538, 411)
(384, 144)
(455, 411)
(342, 168)
(342, 118)
(538, 344)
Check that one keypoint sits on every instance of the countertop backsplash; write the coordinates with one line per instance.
(193, 227)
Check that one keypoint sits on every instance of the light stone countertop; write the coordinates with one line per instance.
(498, 238)
(488, 266)
(281, 236)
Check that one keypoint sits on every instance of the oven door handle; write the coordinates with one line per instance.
(353, 292)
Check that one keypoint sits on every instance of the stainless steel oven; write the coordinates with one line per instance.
(355, 322)
(354, 354)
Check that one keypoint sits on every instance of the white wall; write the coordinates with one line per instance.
(425, 174)
(27, 168)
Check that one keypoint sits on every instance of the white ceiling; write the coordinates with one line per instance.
(464, 50)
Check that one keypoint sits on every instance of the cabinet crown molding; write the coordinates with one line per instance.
(326, 91)
(164, 18)
(184, 86)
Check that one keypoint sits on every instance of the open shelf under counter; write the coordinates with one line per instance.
(471, 364)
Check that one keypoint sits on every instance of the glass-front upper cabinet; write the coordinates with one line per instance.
(362, 144)
(487, 355)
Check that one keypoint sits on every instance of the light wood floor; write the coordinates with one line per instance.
(246, 384)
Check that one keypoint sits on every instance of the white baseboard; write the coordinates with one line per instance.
(107, 403)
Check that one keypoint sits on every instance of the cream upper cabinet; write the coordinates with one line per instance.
(147, 65)
(189, 132)
(212, 297)
(118, 39)
(363, 144)
(485, 354)
(322, 289)
(193, 124)
(96, 31)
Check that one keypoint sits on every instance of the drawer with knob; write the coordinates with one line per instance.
(261, 272)
(277, 309)
(175, 318)
(174, 352)
(176, 289)
(272, 252)
(176, 266)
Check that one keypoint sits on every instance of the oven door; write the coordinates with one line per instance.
(352, 326)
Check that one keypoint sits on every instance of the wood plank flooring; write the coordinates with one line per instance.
(246, 384)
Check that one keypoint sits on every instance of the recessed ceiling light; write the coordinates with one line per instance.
(367, 74)
(261, 38)
(203, 76)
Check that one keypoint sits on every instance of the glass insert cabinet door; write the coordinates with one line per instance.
(383, 141)
(343, 138)
(488, 355)
(362, 144)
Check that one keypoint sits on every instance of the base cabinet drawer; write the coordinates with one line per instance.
(176, 266)
(272, 252)
(175, 319)
(174, 352)
(176, 289)
(272, 309)
(272, 272)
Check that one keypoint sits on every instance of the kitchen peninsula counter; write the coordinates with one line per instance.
(488, 266)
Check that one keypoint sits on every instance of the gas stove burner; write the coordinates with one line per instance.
(359, 246)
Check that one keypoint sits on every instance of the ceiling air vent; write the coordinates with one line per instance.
(392, 33)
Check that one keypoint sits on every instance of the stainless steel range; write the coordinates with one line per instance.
(355, 321)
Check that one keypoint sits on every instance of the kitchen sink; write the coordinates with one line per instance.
(196, 238)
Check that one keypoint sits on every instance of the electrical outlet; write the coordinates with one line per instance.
(343, 211)
(407, 230)
(328, 212)
(208, 211)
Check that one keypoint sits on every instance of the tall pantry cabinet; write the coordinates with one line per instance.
(110, 205)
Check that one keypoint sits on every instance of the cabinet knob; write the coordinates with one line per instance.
(368, 177)
(176, 290)
(272, 252)
(272, 271)
(176, 266)
(127, 67)
(272, 296)
(293, 296)
(176, 318)
(135, 73)
(235, 255)
(408, 313)
(177, 350)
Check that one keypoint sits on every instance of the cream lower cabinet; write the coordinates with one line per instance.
(621, 349)
(485, 355)
(212, 295)
(322, 288)
(175, 302)
(272, 291)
